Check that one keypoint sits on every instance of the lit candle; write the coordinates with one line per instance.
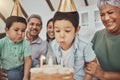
(61, 62)
(41, 60)
(50, 61)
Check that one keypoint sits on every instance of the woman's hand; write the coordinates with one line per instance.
(3, 75)
(95, 70)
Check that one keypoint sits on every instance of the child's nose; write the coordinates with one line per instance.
(19, 32)
(62, 34)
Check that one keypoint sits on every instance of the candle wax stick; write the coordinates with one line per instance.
(41, 60)
(50, 61)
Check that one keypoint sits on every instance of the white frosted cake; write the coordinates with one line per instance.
(53, 72)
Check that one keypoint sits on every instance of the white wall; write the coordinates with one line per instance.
(85, 31)
(2, 26)
(89, 21)
(45, 19)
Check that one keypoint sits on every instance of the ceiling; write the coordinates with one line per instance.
(45, 8)
(41, 7)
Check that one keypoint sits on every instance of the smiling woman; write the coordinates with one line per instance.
(106, 42)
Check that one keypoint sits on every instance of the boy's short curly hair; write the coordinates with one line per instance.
(73, 17)
(10, 20)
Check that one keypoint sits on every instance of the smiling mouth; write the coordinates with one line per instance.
(109, 23)
(34, 31)
(51, 33)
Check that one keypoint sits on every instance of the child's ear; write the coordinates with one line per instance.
(6, 30)
(78, 29)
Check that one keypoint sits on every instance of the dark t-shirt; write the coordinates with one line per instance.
(107, 49)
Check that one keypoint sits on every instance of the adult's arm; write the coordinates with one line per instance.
(95, 70)
(89, 76)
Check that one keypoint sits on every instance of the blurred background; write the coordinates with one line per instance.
(89, 14)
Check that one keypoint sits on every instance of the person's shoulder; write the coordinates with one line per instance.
(81, 41)
(26, 42)
(100, 31)
(98, 35)
(54, 44)
(39, 39)
(4, 39)
(44, 42)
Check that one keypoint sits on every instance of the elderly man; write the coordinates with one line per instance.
(38, 46)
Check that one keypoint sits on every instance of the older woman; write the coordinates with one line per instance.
(106, 42)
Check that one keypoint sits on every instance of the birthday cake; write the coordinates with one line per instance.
(51, 72)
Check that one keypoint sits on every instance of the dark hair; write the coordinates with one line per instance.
(10, 20)
(2, 35)
(49, 21)
(35, 16)
(73, 17)
(48, 38)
